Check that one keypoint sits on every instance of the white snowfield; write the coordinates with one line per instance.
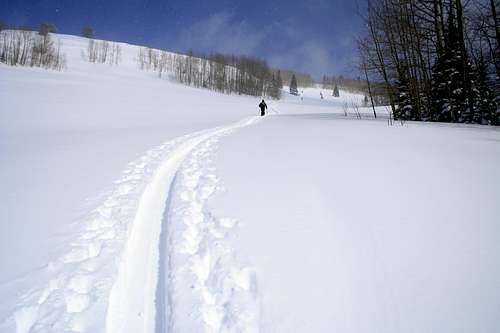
(134, 204)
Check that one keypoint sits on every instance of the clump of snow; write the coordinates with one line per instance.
(25, 318)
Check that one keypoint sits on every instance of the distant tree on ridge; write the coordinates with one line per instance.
(88, 32)
(46, 28)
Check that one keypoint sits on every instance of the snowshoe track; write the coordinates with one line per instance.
(206, 277)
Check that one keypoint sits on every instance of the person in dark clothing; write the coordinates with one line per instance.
(263, 107)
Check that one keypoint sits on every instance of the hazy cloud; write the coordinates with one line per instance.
(310, 57)
(282, 44)
(222, 33)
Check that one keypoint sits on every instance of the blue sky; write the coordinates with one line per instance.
(314, 36)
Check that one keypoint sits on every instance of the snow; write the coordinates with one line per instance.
(65, 137)
(136, 286)
(73, 132)
(310, 97)
(134, 204)
(397, 226)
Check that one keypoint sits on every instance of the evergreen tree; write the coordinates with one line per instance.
(293, 86)
(404, 110)
(496, 93)
(449, 96)
(440, 91)
(88, 32)
(425, 110)
(279, 80)
(274, 88)
(336, 92)
(485, 106)
(45, 28)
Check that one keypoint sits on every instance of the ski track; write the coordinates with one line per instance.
(152, 256)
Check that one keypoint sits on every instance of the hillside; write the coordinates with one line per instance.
(132, 203)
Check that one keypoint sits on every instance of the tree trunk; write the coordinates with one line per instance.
(467, 81)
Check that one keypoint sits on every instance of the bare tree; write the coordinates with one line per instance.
(102, 52)
(27, 48)
(224, 73)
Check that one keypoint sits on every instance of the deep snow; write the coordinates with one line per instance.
(73, 132)
(134, 204)
(354, 226)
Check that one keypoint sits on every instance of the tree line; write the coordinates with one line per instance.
(223, 73)
(102, 52)
(23, 47)
(35, 47)
(346, 83)
(434, 60)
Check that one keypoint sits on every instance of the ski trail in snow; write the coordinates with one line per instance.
(108, 279)
(133, 300)
(210, 290)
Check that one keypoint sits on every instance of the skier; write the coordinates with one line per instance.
(263, 107)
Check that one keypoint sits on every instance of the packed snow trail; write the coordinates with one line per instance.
(132, 305)
(126, 226)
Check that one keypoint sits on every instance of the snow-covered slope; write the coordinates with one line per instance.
(65, 137)
(354, 226)
(134, 204)
(73, 132)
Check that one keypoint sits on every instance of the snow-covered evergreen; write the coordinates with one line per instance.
(450, 99)
(336, 92)
(404, 110)
(485, 105)
(293, 86)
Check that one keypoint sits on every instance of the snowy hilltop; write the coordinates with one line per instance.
(138, 197)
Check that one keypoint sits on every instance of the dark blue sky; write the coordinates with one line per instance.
(314, 36)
